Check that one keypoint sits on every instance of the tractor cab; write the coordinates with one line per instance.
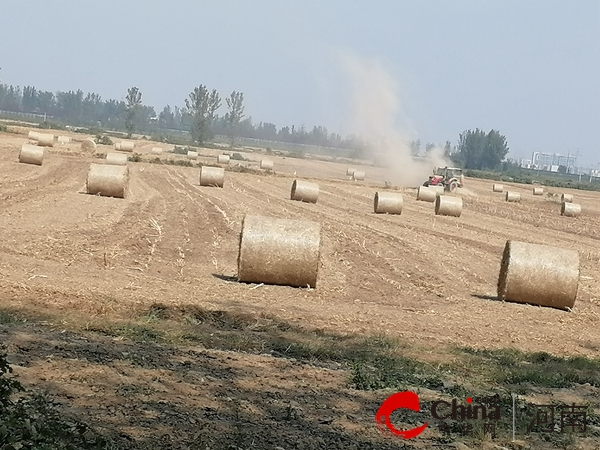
(449, 177)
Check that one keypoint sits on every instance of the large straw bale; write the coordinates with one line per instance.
(305, 191)
(88, 144)
(446, 205)
(223, 159)
(514, 197)
(125, 146)
(33, 135)
(570, 209)
(116, 159)
(538, 191)
(279, 251)
(157, 150)
(107, 180)
(388, 203)
(192, 154)
(358, 175)
(212, 176)
(350, 171)
(426, 194)
(266, 164)
(539, 275)
(566, 198)
(64, 140)
(497, 188)
(439, 189)
(31, 154)
(46, 140)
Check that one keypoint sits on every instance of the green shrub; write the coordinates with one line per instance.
(3, 128)
(136, 157)
(103, 139)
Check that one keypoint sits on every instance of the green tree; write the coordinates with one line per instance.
(201, 106)
(235, 104)
(478, 150)
(133, 102)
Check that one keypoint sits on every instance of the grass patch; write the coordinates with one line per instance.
(34, 421)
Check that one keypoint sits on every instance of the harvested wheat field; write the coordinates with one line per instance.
(136, 321)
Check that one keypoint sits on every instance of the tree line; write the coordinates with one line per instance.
(475, 149)
(198, 116)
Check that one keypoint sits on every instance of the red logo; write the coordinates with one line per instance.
(406, 400)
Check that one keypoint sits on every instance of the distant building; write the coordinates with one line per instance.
(525, 163)
(552, 161)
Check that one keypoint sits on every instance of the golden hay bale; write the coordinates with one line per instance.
(388, 203)
(88, 144)
(46, 140)
(192, 155)
(212, 176)
(438, 189)
(31, 154)
(448, 206)
(358, 175)
(539, 275)
(538, 191)
(107, 180)
(513, 196)
(350, 171)
(305, 191)
(566, 198)
(426, 194)
(223, 159)
(279, 251)
(497, 188)
(266, 164)
(116, 159)
(33, 135)
(125, 146)
(64, 140)
(570, 209)
(157, 150)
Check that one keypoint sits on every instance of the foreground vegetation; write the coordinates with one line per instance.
(31, 420)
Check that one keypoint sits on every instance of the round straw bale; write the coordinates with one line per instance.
(497, 188)
(568, 198)
(305, 191)
(438, 189)
(513, 196)
(388, 202)
(358, 175)
(570, 209)
(223, 159)
(88, 144)
(33, 135)
(448, 206)
(192, 155)
(426, 194)
(64, 139)
(47, 140)
(107, 180)
(116, 159)
(212, 176)
(126, 146)
(266, 164)
(539, 275)
(279, 251)
(538, 191)
(157, 150)
(31, 154)
(349, 171)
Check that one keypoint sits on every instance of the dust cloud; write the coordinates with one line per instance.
(374, 110)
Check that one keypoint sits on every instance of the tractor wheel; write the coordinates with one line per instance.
(453, 186)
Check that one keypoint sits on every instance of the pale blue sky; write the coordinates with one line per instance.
(529, 68)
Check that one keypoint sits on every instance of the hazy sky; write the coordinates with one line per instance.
(528, 68)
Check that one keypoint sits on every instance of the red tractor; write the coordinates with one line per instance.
(449, 177)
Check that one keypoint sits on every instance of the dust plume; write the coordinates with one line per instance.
(374, 112)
